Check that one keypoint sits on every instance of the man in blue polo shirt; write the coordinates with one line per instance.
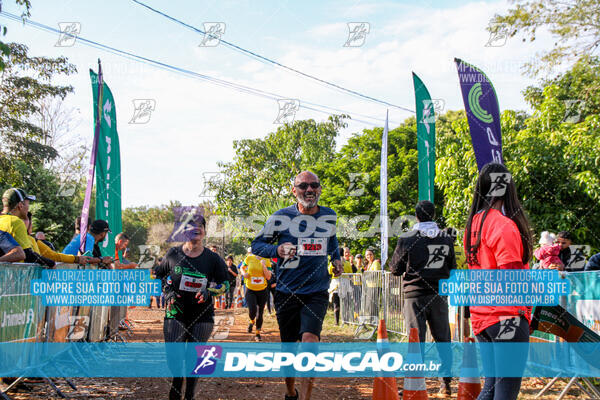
(302, 237)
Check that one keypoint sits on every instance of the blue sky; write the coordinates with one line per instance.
(195, 123)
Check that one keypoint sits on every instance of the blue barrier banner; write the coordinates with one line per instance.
(98, 287)
(584, 299)
(504, 287)
(366, 359)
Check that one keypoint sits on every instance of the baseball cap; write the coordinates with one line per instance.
(99, 226)
(14, 196)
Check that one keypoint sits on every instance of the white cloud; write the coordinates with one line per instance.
(337, 28)
(195, 122)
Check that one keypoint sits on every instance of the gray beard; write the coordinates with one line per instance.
(308, 204)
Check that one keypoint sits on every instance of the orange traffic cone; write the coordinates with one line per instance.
(384, 388)
(469, 384)
(414, 387)
(217, 302)
(223, 301)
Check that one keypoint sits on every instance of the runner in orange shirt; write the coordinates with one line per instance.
(498, 236)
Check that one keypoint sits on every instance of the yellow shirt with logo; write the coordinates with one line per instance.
(254, 268)
(16, 227)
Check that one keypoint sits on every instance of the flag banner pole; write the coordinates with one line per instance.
(108, 171)
(425, 139)
(85, 212)
(483, 113)
(383, 194)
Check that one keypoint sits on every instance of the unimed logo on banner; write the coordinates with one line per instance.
(207, 359)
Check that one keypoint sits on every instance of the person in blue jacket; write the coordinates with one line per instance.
(593, 263)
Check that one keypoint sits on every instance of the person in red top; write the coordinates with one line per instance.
(121, 243)
(498, 236)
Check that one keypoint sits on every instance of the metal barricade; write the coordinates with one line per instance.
(584, 300)
(350, 292)
(68, 323)
(394, 301)
(366, 298)
(371, 300)
(21, 314)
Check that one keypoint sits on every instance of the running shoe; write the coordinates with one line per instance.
(257, 337)
(250, 326)
(445, 390)
(294, 397)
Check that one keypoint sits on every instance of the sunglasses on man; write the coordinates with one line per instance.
(304, 185)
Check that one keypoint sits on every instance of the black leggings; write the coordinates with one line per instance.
(335, 299)
(514, 329)
(229, 295)
(177, 331)
(256, 301)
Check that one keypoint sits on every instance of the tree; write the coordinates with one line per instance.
(574, 24)
(24, 82)
(59, 124)
(262, 169)
(578, 89)
(351, 185)
(52, 213)
(4, 47)
(148, 226)
(553, 159)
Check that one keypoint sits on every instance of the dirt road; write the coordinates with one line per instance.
(230, 326)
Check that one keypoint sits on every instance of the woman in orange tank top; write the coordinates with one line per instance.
(498, 236)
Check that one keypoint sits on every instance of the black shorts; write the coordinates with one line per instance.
(299, 313)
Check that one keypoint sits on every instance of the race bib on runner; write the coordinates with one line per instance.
(312, 246)
(192, 284)
(257, 280)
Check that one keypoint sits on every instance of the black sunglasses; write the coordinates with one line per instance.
(305, 185)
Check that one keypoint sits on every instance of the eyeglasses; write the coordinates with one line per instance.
(304, 185)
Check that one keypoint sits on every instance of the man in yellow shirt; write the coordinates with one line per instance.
(15, 204)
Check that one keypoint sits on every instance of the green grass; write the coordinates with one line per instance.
(334, 333)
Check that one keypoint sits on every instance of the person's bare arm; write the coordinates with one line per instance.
(266, 271)
(16, 254)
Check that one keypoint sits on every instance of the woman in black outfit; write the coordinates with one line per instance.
(187, 273)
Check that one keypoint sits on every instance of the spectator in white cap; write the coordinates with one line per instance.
(548, 253)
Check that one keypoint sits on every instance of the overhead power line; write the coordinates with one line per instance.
(273, 62)
(217, 81)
